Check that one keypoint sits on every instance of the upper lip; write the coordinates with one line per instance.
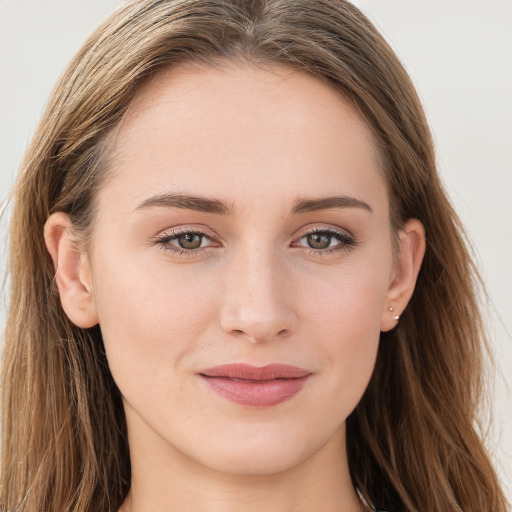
(256, 373)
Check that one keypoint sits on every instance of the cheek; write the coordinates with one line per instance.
(150, 320)
(343, 315)
(349, 301)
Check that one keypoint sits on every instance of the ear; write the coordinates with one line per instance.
(72, 271)
(410, 255)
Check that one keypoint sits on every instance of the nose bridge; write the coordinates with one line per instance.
(257, 304)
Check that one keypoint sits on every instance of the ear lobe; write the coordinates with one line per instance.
(73, 274)
(410, 256)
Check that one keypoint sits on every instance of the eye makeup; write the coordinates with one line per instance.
(325, 240)
(185, 241)
(194, 241)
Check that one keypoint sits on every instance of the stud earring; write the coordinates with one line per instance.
(396, 317)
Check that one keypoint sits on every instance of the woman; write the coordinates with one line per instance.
(235, 293)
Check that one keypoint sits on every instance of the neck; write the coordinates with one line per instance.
(164, 480)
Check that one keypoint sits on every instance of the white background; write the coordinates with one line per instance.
(459, 54)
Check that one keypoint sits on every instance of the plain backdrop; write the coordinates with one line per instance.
(459, 54)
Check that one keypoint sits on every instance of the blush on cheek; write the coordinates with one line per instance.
(150, 326)
(348, 330)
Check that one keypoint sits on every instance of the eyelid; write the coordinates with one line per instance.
(179, 230)
(346, 240)
(164, 237)
(324, 228)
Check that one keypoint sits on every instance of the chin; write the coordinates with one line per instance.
(261, 450)
(256, 461)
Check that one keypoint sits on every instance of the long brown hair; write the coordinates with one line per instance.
(412, 442)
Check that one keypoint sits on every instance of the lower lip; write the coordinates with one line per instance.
(256, 393)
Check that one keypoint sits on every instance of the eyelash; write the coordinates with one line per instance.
(164, 241)
(346, 241)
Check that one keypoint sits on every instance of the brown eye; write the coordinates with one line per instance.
(325, 241)
(319, 240)
(185, 243)
(189, 240)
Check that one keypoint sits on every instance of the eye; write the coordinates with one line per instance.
(183, 241)
(190, 240)
(326, 240)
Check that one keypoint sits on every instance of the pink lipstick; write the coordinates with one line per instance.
(256, 386)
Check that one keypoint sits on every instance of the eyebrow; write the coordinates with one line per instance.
(303, 205)
(187, 202)
(218, 207)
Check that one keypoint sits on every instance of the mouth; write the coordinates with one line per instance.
(254, 386)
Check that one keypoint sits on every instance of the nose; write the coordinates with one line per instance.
(258, 300)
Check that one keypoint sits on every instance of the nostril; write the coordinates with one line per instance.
(258, 322)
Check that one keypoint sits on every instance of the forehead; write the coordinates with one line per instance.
(240, 124)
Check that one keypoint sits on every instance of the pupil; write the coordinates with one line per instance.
(319, 240)
(190, 241)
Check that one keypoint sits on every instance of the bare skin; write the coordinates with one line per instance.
(261, 275)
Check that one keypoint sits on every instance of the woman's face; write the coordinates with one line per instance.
(246, 223)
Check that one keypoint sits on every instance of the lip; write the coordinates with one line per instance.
(255, 386)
